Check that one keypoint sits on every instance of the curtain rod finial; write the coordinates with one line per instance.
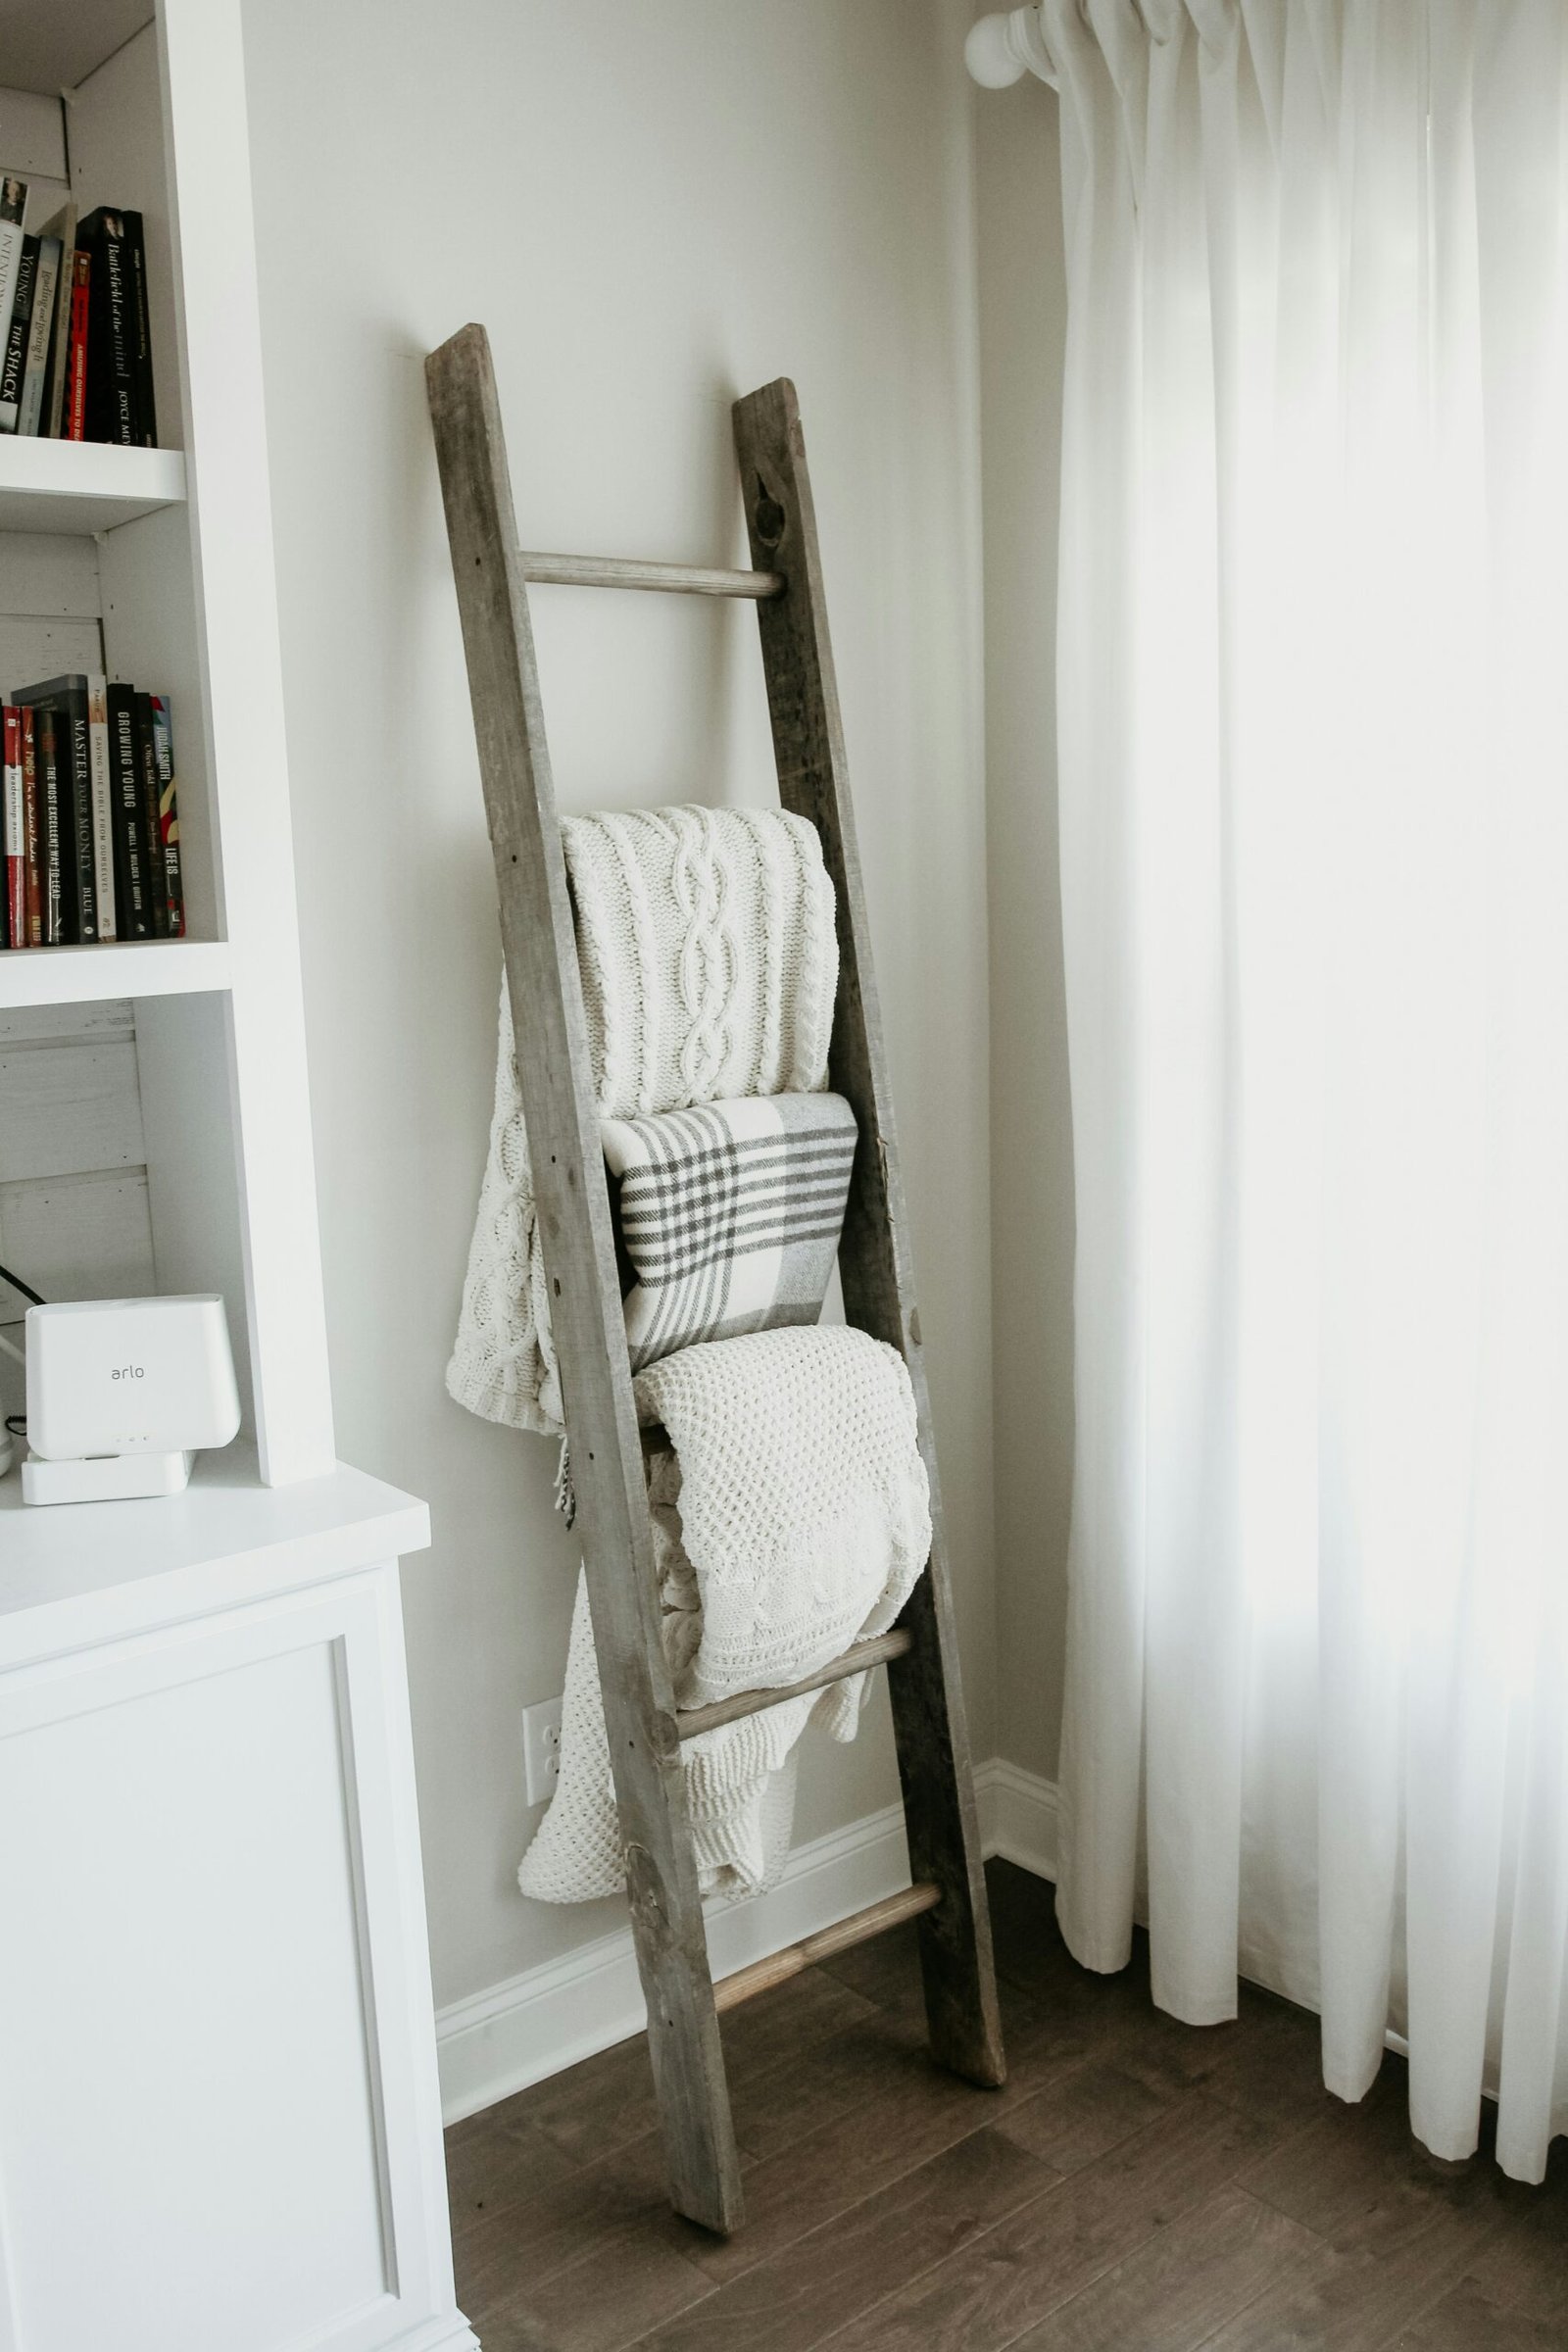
(995, 52)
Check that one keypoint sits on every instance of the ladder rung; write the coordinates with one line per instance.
(622, 571)
(859, 1928)
(689, 1721)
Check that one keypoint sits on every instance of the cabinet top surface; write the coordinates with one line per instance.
(100, 1569)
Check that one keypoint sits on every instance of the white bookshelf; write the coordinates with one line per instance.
(156, 566)
(216, 2030)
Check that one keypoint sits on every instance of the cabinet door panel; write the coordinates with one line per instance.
(202, 2123)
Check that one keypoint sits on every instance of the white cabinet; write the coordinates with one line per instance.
(219, 2125)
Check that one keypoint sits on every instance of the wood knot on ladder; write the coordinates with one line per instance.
(767, 516)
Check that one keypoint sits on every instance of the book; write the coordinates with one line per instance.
(52, 833)
(40, 336)
(64, 701)
(14, 351)
(110, 329)
(103, 808)
(63, 224)
(152, 827)
(143, 332)
(73, 708)
(14, 825)
(168, 814)
(74, 421)
(13, 206)
(134, 908)
(32, 830)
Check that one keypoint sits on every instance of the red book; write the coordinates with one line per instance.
(32, 832)
(12, 824)
(76, 423)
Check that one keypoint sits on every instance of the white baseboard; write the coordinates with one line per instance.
(1017, 1815)
(544, 2020)
(449, 2334)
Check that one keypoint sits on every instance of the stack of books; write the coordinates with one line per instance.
(89, 820)
(76, 349)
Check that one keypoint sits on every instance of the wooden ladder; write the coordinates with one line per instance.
(572, 1200)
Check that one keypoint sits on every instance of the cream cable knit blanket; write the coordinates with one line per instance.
(792, 1518)
(710, 966)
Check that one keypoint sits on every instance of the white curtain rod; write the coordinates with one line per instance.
(1001, 48)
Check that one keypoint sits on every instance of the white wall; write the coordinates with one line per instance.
(1022, 331)
(652, 210)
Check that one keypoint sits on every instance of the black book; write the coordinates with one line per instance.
(134, 906)
(66, 699)
(43, 739)
(141, 323)
(168, 814)
(14, 362)
(56, 830)
(110, 329)
(152, 832)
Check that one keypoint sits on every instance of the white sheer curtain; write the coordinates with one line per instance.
(1313, 687)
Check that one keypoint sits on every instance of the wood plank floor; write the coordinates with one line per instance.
(1138, 2187)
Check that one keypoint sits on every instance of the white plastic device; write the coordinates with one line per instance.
(121, 1392)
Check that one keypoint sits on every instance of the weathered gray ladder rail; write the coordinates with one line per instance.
(573, 1200)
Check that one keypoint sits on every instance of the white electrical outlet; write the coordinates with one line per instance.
(541, 1748)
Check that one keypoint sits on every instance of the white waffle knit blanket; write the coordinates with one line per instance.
(792, 1518)
(710, 966)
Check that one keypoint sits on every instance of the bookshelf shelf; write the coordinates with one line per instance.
(83, 486)
(153, 967)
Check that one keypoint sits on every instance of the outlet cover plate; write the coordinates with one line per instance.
(541, 1749)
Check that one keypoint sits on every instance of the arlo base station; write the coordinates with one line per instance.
(105, 1477)
(121, 1392)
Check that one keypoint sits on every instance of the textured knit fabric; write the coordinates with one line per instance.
(729, 1216)
(792, 1518)
(710, 966)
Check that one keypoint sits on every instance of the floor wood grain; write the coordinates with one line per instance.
(1138, 2187)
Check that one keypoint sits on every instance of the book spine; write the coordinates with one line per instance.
(13, 204)
(32, 829)
(110, 334)
(141, 332)
(152, 829)
(51, 874)
(68, 836)
(14, 365)
(73, 720)
(63, 225)
(133, 914)
(36, 370)
(168, 816)
(16, 834)
(73, 426)
(121, 345)
(103, 806)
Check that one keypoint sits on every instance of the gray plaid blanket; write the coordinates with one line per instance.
(729, 1216)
